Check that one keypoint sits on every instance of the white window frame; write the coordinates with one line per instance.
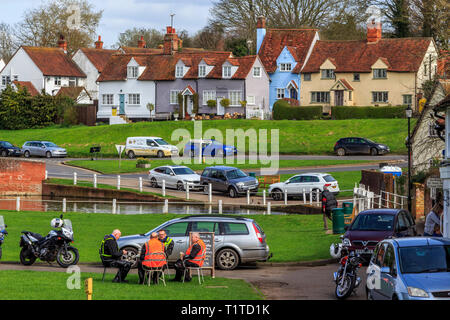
(328, 74)
(281, 93)
(257, 72)
(380, 73)
(202, 71)
(209, 95)
(376, 95)
(226, 72)
(58, 81)
(174, 97)
(73, 80)
(179, 72)
(235, 97)
(307, 77)
(132, 72)
(409, 99)
(320, 97)
(251, 100)
(285, 67)
(134, 99)
(108, 99)
(6, 80)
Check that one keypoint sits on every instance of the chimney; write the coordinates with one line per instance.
(171, 42)
(374, 31)
(99, 43)
(260, 32)
(62, 43)
(142, 43)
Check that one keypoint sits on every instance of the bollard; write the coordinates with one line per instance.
(140, 184)
(118, 182)
(95, 208)
(18, 204)
(140, 209)
(310, 196)
(264, 197)
(46, 175)
(164, 188)
(95, 181)
(269, 208)
(210, 193)
(114, 206)
(75, 208)
(166, 206)
(220, 207)
(285, 197)
(74, 178)
(248, 197)
(304, 196)
(187, 191)
(64, 205)
(318, 197)
(210, 210)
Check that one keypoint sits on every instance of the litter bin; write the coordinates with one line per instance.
(338, 221)
(348, 212)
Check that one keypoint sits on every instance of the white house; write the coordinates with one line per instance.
(48, 69)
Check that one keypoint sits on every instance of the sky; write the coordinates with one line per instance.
(120, 15)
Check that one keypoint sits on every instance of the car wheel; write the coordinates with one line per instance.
(27, 154)
(160, 154)
(373, 152)
(131, 256)
(232, 192)
(48, 154)
(277, 195)
(154, 183)
(131, 155)
(227, 259)
(4, 153)
(341, 152)
(180, 186)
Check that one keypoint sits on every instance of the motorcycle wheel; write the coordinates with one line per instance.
(68, 258)
(26, 257)
(344, 291)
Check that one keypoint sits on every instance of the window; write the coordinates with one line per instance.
(134, 99)
(380, 255)
(208, 95)
(407, 99)
(379, 73)
(226, 72)
(285, 67)
(307, 77)
(350, 95)
(174, 96)
(257, 72)
(57, 81)
(234, 229)
(251, 100)
(235, 98)
(328, 74)
(280, 93)
(380, 96)
(202, 71)
(6, 80)
(179, 73)
(432, 132)
(133, 72)
(425, 70)
(320, 97)
(356, 77)
(72, 82)
(177, 229)
(205, 227)
(15, 78)
(108, 99)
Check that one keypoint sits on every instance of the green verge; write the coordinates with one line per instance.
(295, 137)
(33, 285)
(291, 238)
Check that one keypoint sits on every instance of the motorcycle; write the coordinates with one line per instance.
(3, 233)
(346, 278)
(55, 246)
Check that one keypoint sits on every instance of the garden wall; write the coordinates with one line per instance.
(21, 178)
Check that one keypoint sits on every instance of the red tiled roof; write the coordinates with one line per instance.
(245, 66)
(190, 89)
(98, 57)
(298, 42)
(400, 55)
(72, 92)
(53, 62)
(133, 50)
(28, 85)
(346, 84)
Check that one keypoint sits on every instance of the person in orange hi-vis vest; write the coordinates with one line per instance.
(194, 257)
(152, 256)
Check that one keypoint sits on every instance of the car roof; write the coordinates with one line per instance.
(171, 166)
(382, 211)
(222, 168)
(313, 174)
(144, 138)
(420, 241)
(212, 217)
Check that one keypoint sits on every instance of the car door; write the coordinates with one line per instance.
(172, 179)
(209, 226)
(401, 225)
(161, 175)
(294, 187)
(40, 149)
(388, 280)
(206, 177)
(375, 271)
(351, 145)
(178, 231)
(221, 181)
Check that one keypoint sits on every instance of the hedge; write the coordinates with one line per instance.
(282, 110)
(342, 112)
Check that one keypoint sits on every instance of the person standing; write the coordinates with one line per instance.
(329, 203)
(112, 258)
(193, 257)
(152, 256)
(433, 221)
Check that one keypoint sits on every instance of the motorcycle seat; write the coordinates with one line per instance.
(34, 235)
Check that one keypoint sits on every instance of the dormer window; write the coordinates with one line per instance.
(328, 74)
(202, 71)
(133, 72)
(179, 72)
(226, 71)
(286, 67)
(379, 73)
(257, 72)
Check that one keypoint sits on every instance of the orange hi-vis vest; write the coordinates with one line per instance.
(154, 254)
(200, 257)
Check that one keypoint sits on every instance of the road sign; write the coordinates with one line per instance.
(120, 149)
(435, 183)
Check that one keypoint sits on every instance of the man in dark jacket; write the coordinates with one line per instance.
(329, 203)
(112, 258)
(168, 242)
(190, 258)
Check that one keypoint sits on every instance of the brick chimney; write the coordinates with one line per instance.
(260, 32)
(62, 43)
(171, 42)
(374, 31)
(99, 43)
(142, 43)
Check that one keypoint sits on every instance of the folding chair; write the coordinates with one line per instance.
(199, 270)
(112, 265)
(159, 270)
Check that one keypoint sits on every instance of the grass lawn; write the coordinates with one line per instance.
(129, 166)
(295, 137)
(290, 237)
(32, 285)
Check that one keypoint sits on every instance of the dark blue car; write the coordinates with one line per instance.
(210, 148)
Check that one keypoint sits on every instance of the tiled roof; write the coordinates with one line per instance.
(28, 85)
(98, 57)
(134, 50)
(72, 92)
(245, 66)
(400, 55)
(53, 62)
(298, 42)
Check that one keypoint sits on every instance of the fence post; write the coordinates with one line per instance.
(210, 193)
(141, 186)
(187, 190)
(64, 205)
(220, 207)
(264, 197)
(248, 197)
(118, 182)
(402, 201)
(269, 208)
(285, 197)
(304, 196)
(95, 180)
(75, 208)
(114, 206)
(388, 199)
(310, 197)
(46, 175)
(74, 178)
(164, 188)
(379, 201)
(18, 204)
(166, 206)
(318, 197)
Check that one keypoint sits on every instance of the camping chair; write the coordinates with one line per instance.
(199, 269)
(112, 265)
(159, 270)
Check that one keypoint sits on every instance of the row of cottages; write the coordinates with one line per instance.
(146, 83)
(371, 72)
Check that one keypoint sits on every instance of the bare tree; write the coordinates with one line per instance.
(7, 44)
(130, 37)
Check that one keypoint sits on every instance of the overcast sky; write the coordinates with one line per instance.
(119, 15)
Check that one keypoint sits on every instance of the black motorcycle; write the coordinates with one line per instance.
(3, 233)
(346, 278)
(55, 246)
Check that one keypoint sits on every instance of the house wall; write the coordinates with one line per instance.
(91, 72)
(222, 88)
(431, 55)
(258, 88)
(163, 89)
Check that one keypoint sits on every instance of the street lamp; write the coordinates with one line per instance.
(409, 113)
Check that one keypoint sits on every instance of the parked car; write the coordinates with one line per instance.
(410, 269)
(306, 181)
(237, 240)
(229, 180)
(9, 150)
(175, 177)
(149, 146)
(43, 149)
(373, 226)
(347, 146)
(210, 148)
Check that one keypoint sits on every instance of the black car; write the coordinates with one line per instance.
(8, 150)
(359, 146)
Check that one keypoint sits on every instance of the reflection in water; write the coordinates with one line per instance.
(41, 204)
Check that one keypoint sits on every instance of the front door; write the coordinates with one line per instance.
(189, 105)
(220, 109)
(339, 97)
(122, 104)
(293, 94)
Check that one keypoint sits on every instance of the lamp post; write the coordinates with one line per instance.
(409, 113)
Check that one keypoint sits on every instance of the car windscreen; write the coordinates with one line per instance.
(50, 145)
(425, 259)
(183, 171)
(329, 179)
(235, 174)
(7, 145)
(373, 222)
(161, 142)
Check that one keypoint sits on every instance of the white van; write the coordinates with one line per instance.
(150, 147)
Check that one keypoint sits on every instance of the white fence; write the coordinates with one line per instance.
(365, 199)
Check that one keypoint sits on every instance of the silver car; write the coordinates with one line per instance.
(175, 177)
(43, 149)
(237, 240)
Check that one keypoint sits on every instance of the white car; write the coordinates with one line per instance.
(175, 177)
(305, 182)
(149, 147)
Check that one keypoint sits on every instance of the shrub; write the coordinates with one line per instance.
(212, 103)
(141, 161)
(282, 110)
(225, 103)
(341, 113)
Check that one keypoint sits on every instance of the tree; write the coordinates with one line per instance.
(238, 47)
(75, 19)
(130, 37)
(346, 27)
(211, 37)
(7, 45)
